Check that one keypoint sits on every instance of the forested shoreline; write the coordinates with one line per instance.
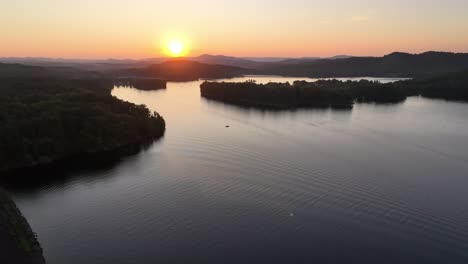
(18, 241)
(322, 93)
(54, 114)
(146, 84)
(44, 120)
(334, 93)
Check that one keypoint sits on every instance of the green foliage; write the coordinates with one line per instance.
(44, 120)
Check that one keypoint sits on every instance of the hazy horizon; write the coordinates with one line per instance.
(141, 29)
(248, 131)
(225, 55)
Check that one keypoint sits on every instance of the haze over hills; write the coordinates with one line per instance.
(253, 62)
(397, 64)
(230, 61)
(245, 62)
(16, 70)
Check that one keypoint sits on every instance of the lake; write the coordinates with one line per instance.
(375, 184)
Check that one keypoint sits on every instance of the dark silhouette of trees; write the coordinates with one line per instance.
(323, 93)
(147, 84)
(453, 86)
(19, 243)
(43, 120)
(335, 93)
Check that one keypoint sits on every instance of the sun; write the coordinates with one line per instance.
(176, 48)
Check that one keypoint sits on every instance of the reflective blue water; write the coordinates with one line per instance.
(378, 184)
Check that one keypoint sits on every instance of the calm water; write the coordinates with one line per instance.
(378, 184)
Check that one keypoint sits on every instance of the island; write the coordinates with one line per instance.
(319, 94)
(145, 84)
(334, 93)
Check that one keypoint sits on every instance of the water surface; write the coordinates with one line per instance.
(377, 184)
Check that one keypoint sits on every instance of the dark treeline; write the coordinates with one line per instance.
(335, 93)
(453, 86)
(182, 70)
(323, 93)
(19, 243)
(147, 84)
(43, 120)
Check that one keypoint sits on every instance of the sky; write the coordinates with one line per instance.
(274, 28)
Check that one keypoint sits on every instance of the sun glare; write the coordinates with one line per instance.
(176, 48)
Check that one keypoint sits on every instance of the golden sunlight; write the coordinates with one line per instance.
(176, 48)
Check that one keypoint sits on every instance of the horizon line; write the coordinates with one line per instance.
(224, 55)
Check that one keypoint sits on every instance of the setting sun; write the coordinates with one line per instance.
(176, 48)
(221, 131)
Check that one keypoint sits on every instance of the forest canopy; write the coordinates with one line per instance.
(43, 120)
(322, 93)
(335, 93)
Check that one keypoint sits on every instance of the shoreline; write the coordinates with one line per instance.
(55, 169)
(17, 240)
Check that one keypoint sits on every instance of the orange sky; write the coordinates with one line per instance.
(141, 28)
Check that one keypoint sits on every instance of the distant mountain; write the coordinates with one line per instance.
(306, 59)
(293, 61)
(249, 62)
(227, 60)
(183, 70)
(396, 64)
(10, 70)
(84, 64)
(254, 62)
(107, 64)
(339, 57)
(266, 59)
(15, 70)
(38, 61)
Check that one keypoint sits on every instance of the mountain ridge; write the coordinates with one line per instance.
(395, 64)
